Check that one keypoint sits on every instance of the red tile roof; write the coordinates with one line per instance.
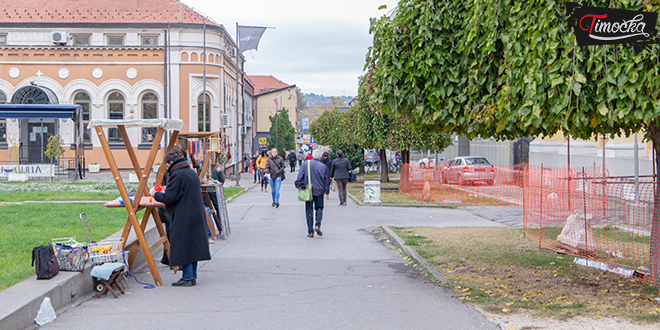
(99, 11)
(263, 84)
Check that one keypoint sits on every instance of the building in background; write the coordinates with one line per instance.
(119, 59)
(270, 96)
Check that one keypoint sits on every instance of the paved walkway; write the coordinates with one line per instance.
(269, 275)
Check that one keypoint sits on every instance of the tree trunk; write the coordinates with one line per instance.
(404, 181)
(384, 172)
(654, 253)
(361, 165)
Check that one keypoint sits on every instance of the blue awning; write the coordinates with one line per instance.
(21, 111)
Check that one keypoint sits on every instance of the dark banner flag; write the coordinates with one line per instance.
(605, 26)
(249, 36)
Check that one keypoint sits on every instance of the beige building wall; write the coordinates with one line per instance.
(266, 107)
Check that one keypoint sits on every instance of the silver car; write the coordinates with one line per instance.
(465, 170)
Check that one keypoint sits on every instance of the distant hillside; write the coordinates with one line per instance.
(319, 99)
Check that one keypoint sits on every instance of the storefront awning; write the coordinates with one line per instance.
(21, 111)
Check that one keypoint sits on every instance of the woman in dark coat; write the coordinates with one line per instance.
(339, 171)
(183, 198)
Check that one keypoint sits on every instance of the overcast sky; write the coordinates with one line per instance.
(320, 46)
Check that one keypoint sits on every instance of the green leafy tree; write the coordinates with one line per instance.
(282, 134)
(507, 69)
(54, 150)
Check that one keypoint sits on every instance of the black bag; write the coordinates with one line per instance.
(46, 265)
(352, 177)
(283, 177)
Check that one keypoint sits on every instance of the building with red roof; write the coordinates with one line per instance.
(119, 59)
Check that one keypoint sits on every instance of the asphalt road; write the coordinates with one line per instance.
(269, 275)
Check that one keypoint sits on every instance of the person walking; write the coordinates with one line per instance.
(261, 165)
(325, 159)
(320, 176)
(275, 170)
(292, 160)
(183, 197)
(254, 166)
(340, 168)
(300, 157)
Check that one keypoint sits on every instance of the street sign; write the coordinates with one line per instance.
(262, 141)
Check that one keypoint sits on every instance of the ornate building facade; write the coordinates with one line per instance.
(119, 59)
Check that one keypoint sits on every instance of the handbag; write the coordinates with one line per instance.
(70, 255)
(352, 177)
(43, 260)
(305, 195)
(333, 186)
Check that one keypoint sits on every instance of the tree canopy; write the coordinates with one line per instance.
(507, 69)
(282, 134)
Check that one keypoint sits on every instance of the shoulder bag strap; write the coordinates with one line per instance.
(309, 173)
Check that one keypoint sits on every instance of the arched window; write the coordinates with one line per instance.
(149, 106)
(83, 99)
(204, 113)
(3, 123)
(115, 111)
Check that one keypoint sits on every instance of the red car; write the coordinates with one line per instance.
(465, 170)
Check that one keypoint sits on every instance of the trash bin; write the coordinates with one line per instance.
(372, 191)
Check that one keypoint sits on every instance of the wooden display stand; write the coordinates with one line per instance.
(183, 137)
(145, 202)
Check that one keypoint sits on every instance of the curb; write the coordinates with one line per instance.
(20, 302)
(400, 243)
(439, 206)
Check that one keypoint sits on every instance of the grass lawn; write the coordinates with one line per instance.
(502, 271)
(25, 226)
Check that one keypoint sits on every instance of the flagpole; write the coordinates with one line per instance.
(239, 145)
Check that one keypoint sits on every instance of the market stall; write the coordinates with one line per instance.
(208, 147)
(142, 198)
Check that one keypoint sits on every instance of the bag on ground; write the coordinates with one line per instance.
(70, 255)
(44, 262)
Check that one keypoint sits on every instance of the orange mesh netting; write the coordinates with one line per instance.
(579, 211)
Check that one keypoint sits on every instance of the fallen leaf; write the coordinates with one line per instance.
(509, 303)
(505, 310)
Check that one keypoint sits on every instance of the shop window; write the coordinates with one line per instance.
(83, 100)
(149, 106)
(115, 111)
(204, 114)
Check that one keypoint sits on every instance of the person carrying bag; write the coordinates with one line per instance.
(313, 177)
(305, 192)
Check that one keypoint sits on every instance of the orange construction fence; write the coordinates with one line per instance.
(607, 221)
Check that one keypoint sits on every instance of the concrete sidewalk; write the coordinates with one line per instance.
(269, 275)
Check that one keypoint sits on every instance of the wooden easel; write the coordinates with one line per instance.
(202, 173)
(139, 201)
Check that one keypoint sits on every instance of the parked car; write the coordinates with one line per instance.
(371, 158)
(465, 170)
(429, 161)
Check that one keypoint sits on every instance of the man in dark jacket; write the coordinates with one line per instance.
(292, 160)
(325, 159)
(183, 197)
(320, 177)
(340, 172)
